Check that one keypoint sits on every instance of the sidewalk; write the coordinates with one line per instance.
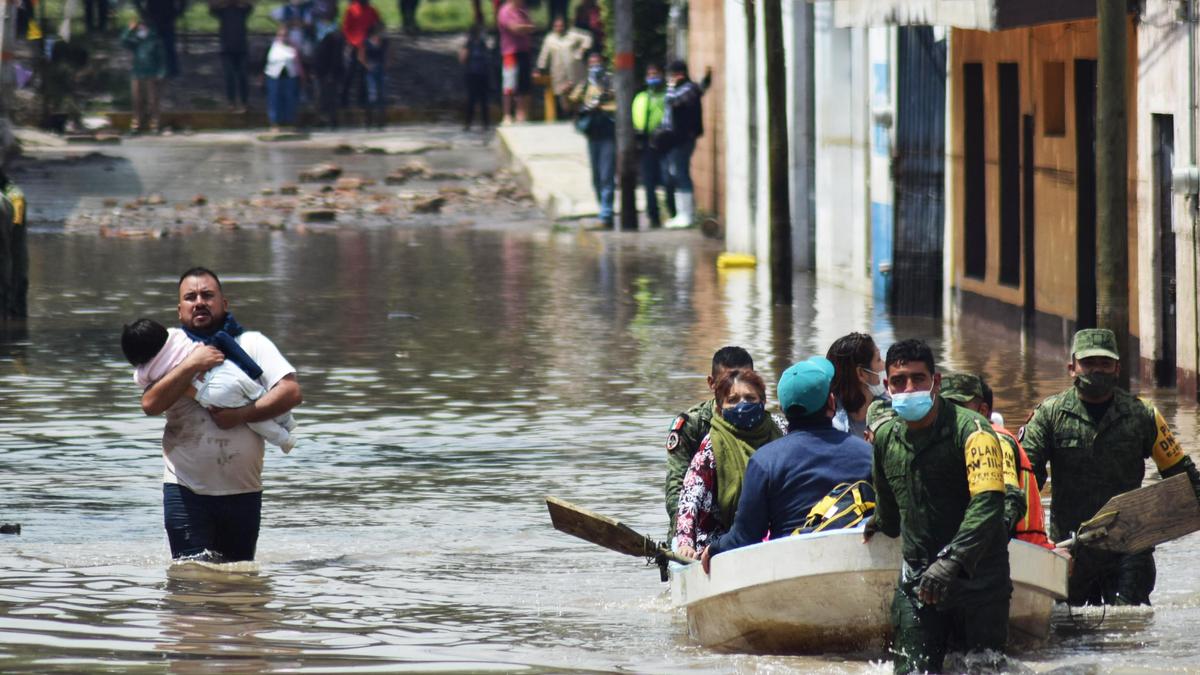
(552, 159)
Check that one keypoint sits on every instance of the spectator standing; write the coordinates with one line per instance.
(589, 18)
(516, 46)
(357, 21)
(149, 67)
(408, 16)
(161, 16)
(596, 121)
(562, 56)
(476, 66)
(648, 108)
(283, 72)
(684, 118)
(232, 16)
(329, 68)
(374, 58)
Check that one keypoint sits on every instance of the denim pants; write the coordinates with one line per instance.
(283, 94)
(656, 172)
(679, 160)
(226, 525)
(237, 86)
(375, 90)
(602, 152)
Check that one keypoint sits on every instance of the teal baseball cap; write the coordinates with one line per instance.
(805, 385)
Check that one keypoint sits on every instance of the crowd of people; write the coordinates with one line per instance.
(935, 465)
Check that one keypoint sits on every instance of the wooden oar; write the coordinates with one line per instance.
(1135, 521)
(607, 532)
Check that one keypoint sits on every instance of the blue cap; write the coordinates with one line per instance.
(806, 384)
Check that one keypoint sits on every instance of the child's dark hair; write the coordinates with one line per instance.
(142, 340)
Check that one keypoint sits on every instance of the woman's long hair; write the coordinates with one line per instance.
(847, 354)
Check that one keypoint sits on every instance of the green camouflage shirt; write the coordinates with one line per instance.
(942, 490)
(1093, 461)
(683, 440)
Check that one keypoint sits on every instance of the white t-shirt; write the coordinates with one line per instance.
(209, 460)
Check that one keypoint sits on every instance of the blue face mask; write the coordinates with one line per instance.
(595, 71)
(912, 406)
(745, 415)
(654, 82)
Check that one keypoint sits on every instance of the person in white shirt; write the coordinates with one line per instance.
(212, 479)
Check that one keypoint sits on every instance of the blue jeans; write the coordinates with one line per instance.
(602, 152)
(374, 88)
(656, 172)
(679, 161)
(283, 97)
(225, 525)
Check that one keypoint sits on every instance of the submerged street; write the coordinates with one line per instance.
(457, 367)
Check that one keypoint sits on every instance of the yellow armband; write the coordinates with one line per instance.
(985, 464)
(1167, 451)
(1010, 464)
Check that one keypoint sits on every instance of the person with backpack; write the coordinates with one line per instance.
(788, 476)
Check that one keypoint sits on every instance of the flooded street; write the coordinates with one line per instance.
(456, 369)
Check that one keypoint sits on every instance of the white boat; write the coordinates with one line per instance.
(829, 592)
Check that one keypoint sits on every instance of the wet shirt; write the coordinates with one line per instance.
(212, 461)
(1092, 459)
(942, 491)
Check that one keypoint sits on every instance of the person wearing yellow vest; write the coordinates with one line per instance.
(648, 108)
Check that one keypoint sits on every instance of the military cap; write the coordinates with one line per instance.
(1095, 342)
(962, 387)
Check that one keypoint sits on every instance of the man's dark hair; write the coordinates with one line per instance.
(909, 351)
(678, 67)
(987, 393)
(847, 354)
(730, 358)
(142, 340)
(201, 272)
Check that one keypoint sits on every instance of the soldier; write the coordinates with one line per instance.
(1096, 438)
(689, 428)
(939, 483)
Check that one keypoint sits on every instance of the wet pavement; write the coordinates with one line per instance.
(456, 368)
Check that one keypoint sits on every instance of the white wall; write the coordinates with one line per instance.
(739, 230)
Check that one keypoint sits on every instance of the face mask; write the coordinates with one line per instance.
(1095, 384)
(143, 32)
(877, 390)
(654, 82)
(745, 415)
(912, 406)
(594, 72)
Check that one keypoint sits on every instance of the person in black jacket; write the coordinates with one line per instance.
(161, 16)
(684, 118)
(232, 16)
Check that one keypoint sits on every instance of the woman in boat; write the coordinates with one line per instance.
(857, 381)
(713, 484)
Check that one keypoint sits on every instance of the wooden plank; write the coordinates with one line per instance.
(604, 531)
(1137, 520)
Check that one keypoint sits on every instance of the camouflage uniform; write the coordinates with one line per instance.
(1093, 461)
(683, 440)
(942, 490)
(964, 388)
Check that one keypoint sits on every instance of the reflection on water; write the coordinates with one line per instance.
(452, 376)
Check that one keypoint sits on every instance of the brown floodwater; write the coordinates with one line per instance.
(455, 371)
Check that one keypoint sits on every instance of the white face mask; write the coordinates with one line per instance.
(878, 390)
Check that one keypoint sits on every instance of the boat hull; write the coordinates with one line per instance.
(831, 593)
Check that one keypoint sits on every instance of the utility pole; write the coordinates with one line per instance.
(1112, 210)
(752, 109)
(777, 147)
(8, 42)
(627, 160)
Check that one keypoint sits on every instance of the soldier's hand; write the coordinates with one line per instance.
(937, 580)
(869, 529)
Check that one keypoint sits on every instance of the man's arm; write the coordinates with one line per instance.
(983, 520)
(1168, 455)
(1014, 496)
(1037, 438)
(281, 398)
(753, 515)
(164, 393)
(886, 518)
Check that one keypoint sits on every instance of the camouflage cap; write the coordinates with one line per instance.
(1095, 342)
(962, 387)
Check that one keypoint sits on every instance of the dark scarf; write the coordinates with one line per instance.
(223, 339)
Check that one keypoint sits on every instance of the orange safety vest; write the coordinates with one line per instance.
(1032, 527)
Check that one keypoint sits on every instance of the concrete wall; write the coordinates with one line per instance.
(706, 48)
(1163, 89)
(739, 207)
(1054, 158)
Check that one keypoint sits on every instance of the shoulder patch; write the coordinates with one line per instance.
(680, 420)
(672, 441)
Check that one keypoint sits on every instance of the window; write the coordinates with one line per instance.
(1054, 98)
(974, 174)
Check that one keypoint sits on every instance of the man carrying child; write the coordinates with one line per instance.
(212, 482)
